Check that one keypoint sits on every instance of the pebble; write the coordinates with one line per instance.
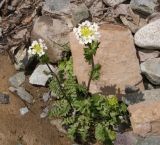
(44, 114)
(22, 93)
(4, 98)
(46, 96)
(24, 110)
(17, 79)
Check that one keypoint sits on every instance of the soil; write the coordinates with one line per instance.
(29, 129)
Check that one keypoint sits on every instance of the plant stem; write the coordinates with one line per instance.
(91, 74)
(57, 79)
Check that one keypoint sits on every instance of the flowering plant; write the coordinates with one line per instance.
(87, 117)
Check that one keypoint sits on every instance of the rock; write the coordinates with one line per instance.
(17, 79)
(146, 7)
(24, 110)
(145, 118)
(41, 75)
(22, 93)
(113, 2)
(126, 138)
(4, 98)
(147, 54)
(79, 14)
(44, 114)
(151, 140)
(146, 95)
(95, 8)
(116, 42)
(46, 96)
(153, 17)
(57, 5)
(0, 32)
(54, 33)
(131, 89)
(22, 59)
(151, 69)
(148, 36)
(21, 34)
(58, 124)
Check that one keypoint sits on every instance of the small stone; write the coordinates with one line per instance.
(146, 7)
(145, 118)
(148, 36)
(44, 114)
(17, 79)
(113, 2)
(147, 54)
(24, 110)
(41, 75)
(22, 59)
(79, 14)
(46, 96)
(22, 93)
(151, 69)
(57, 5)
(4, 98)
(21, 34)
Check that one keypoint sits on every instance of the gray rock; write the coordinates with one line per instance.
(113, 2)
(147, 95)
(148, 36)
(147, 54)
(22, 59)
(131, 89)
(46, 96)
(17, 79)
(22, 93)
(57, 5)
(151, 69)
(4, 98)
(144, 6)
(79, 14)
(151, 140)
(41, 75)
(54, 32)
(127, 138)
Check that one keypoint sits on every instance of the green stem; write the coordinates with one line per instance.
(57, 79)
(91, 74)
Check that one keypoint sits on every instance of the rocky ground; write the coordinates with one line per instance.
(129, 54)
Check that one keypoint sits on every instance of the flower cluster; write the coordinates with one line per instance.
(87, 32)
(37, 48)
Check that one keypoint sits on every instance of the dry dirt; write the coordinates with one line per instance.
(28, 129)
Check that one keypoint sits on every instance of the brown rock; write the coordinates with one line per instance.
(145, 118)
(117, 56)
(54, 32)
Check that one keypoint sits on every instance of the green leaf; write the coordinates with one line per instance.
(44, 59)
(96, 72)
(100, 133)
(60, 108)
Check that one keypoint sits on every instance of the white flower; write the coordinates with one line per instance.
(37, 48)
(87, 32)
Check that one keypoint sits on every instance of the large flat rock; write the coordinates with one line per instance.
(117, 56)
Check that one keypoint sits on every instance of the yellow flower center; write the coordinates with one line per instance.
(37, 48)
(86, 32)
